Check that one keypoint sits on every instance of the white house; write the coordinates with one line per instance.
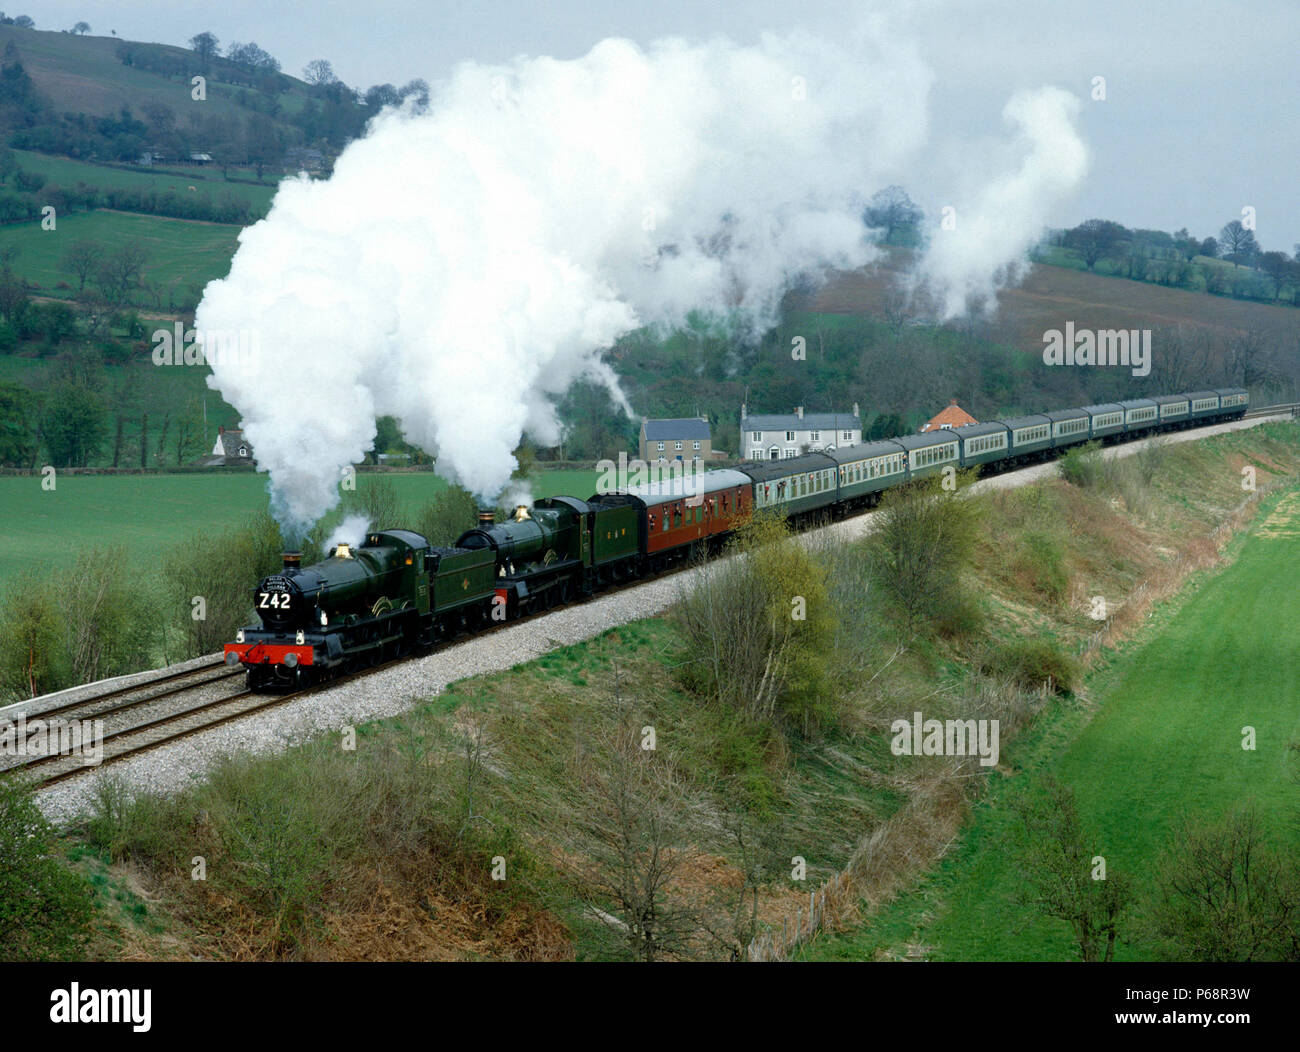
(776, 436)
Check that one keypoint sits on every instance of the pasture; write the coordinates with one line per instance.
(67, 172)
(181, 256)
(149, 514)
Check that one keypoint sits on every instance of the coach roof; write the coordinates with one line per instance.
(925, 441)
(852, 454)
(764, 470)
(688, 484)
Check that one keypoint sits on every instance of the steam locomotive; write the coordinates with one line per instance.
(395, 593)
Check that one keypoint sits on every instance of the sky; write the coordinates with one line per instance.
(1199, 119)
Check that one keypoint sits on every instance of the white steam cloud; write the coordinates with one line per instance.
(985, 249)
(352, 530)
(463, 267)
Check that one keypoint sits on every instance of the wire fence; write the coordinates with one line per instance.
(778, 944)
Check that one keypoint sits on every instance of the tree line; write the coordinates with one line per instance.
(1181, 260)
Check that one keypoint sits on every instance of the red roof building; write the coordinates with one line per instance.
(950, 416)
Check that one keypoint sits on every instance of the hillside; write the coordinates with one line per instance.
(85, 74)
(1051, 295)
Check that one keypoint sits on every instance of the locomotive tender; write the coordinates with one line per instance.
(396, 593)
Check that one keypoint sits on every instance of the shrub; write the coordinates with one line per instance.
(920, 553)
(443, 520)
(109, 620)
(1150, 459)
(1083, 466)
(1032, 662)
(760, 630)
(223, 571)
(1055, 854)
(45, 908)
(33, 660)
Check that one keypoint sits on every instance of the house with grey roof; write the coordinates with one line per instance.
(231, 450)
(779, 436)
(681, 438)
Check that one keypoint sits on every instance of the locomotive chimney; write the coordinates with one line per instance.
(292, 560)
(486, 517)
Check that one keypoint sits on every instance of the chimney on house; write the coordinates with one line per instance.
(798, 411)
(744, 411)
(856, 411)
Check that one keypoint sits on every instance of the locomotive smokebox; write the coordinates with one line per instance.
(486, 516)
(292, 560)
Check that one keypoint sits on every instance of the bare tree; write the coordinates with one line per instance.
(1062, 878)
(1250, 359)
(1225, 893)
(319, 71)
(81, 259)
(205, 45)
(624, 839)
(1182, 357)
(1237, 243)
(891, 210)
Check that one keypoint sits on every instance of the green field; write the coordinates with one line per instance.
(181, 255)
(1166, 741)
(66, 172)
(150, 514)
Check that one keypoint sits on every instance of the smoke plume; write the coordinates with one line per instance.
(352, 530)
(463, 266)
(985, 248)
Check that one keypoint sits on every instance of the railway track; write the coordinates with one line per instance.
(1274, 410)
(187, 716)
(177, 705)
